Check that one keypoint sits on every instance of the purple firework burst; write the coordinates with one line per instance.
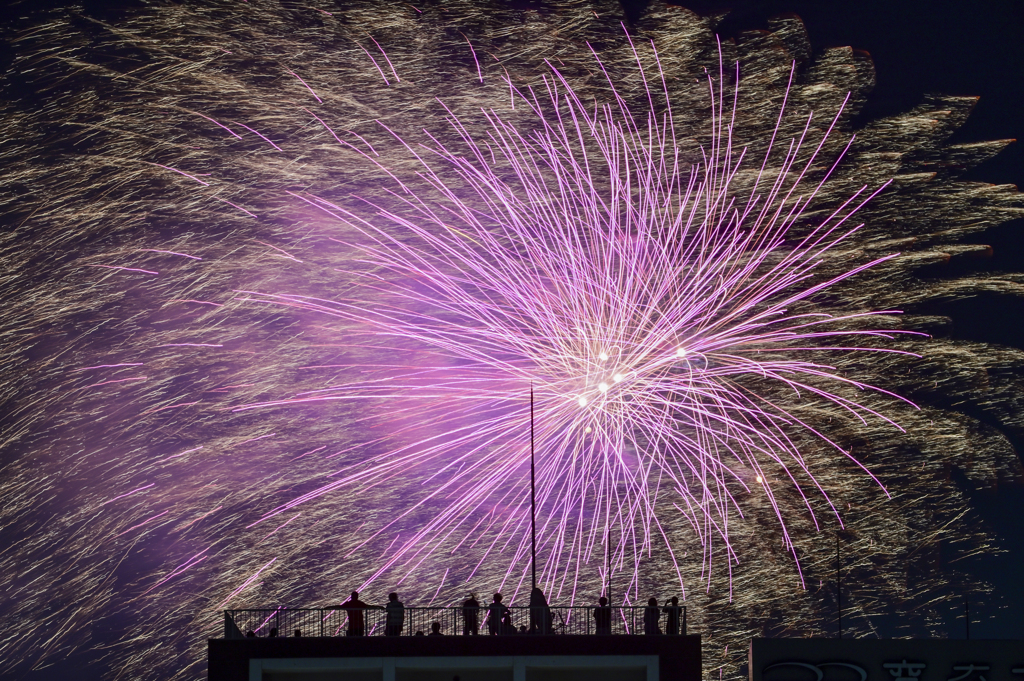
(654, 303)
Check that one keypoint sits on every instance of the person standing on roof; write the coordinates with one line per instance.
(495, 614)
(672, 609)
(394, 616)
(651, 616)
(470, 613)
(603, 617)
(540, 613)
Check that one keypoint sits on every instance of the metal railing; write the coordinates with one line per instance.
(336, 621)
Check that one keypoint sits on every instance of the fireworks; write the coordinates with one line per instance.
(279, 317)
(645, 299)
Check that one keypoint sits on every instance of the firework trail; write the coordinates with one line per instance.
(281, 280)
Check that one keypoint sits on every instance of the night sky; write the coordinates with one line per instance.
(918, 47)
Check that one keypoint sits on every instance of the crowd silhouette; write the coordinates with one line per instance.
(499, 619)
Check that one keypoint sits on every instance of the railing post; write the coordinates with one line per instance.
(684, 620)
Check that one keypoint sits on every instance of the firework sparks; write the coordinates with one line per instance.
(636, 292)
(342, 296)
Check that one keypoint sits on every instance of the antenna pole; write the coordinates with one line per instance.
(608, 567)
(533, 499)
(839, 589)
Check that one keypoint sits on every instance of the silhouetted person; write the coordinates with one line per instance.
(651, 615)
(394, 616)
(506, 623)
(273, 633)
(540, 613)
(355, 608)
(435, 629)
(419, 633)
(522, 629)
(495, 614)
(672, 612)
(298, 633)
(603, 617)
(470, 613)
(250, 634)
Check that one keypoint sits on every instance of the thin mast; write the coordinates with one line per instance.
(608, 566)
(533, 500)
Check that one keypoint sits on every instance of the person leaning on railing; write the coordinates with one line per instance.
(355, 607)
(672, 611)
